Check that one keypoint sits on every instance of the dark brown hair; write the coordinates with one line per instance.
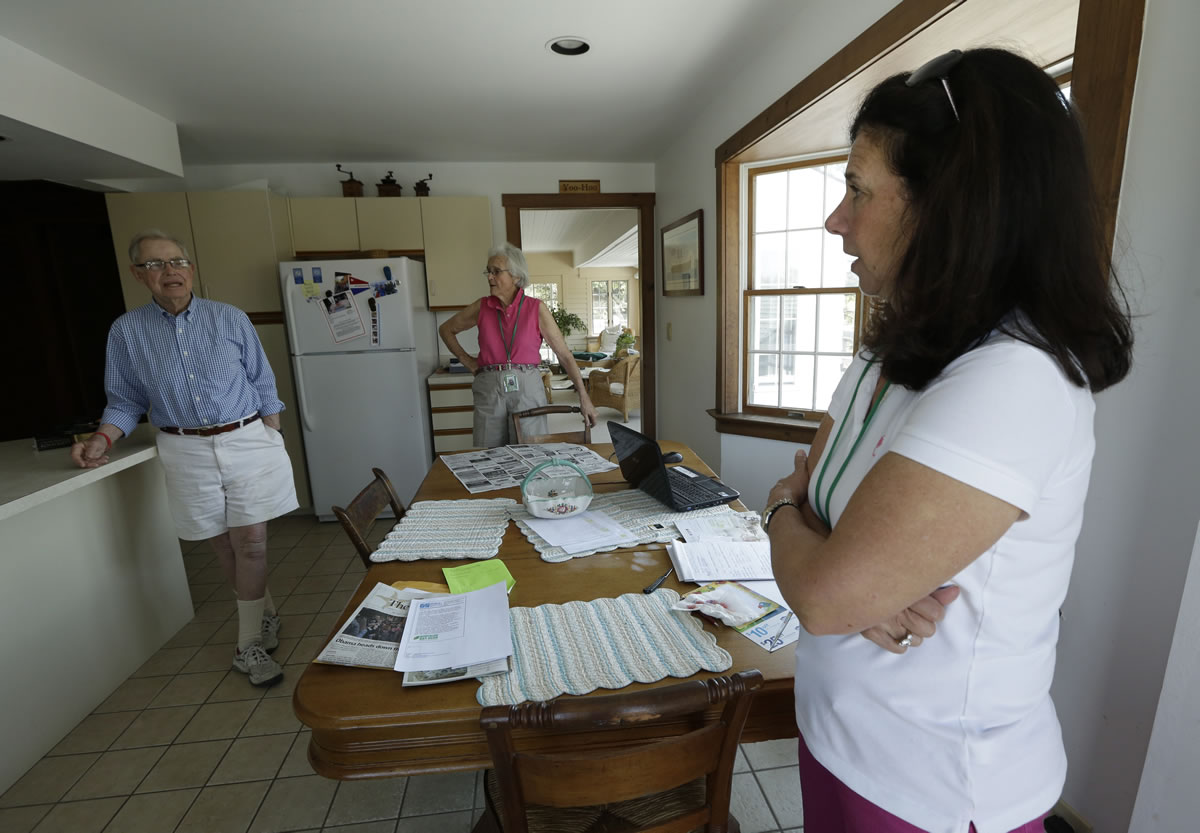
(1005, 225)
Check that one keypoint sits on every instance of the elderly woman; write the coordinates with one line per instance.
(947, 483)
(511, 326)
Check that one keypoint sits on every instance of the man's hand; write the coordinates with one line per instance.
(920, 620)
(90, 453)
(271, 420)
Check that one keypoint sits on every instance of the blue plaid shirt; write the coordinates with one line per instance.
(203, 367)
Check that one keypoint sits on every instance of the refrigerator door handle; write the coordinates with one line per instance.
(303, 401)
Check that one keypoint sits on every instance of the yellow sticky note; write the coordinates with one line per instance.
(478, 575)
(310, 290)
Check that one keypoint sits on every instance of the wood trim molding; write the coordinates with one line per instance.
(644, 204)
(265, 317)
(765, 427)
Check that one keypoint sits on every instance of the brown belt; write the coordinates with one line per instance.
(208, 432)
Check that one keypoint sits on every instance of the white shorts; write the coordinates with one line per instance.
(240, 478)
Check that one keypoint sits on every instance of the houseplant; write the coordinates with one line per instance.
(567, 321)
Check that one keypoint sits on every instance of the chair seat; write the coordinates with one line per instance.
(634, 814)
(616, 388)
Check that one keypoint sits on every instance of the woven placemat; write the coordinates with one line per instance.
(447, 529)
(647, 519)
(578, 647)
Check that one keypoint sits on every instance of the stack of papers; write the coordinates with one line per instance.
(702, 561)
(583, 532)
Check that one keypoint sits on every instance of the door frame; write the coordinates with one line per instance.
(643, 203)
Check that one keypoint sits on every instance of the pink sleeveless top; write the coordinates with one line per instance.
(495, 332)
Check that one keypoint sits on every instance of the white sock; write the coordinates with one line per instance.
(269, 606)
(250, 616)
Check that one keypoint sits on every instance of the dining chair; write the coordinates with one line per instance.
(669, 782)
(523, 437)
(357, 518)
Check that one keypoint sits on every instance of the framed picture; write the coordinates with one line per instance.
(683, 255)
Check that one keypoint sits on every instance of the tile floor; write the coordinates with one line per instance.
(186, 745)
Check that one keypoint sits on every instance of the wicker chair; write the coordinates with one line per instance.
(619, 387)
(678, 778)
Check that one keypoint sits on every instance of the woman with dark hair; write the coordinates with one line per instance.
(944, 491)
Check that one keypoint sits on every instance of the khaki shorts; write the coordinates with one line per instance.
(493, 406)
(240, 478)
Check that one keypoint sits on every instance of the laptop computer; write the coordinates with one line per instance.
(682, 489)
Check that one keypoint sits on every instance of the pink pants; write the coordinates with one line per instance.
(832, 807)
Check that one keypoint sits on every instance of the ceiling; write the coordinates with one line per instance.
(594, 236)
(406, 80)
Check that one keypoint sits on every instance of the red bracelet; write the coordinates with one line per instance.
(106, 439)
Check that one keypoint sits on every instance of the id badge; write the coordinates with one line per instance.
(511, 383)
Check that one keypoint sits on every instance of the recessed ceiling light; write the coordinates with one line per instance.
(568, 45)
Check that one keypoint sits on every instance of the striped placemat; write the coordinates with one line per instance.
(578, 647)
(447, 529)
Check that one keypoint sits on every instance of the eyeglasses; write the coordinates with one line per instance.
(493, 271)
(160, 265)
(938, 68)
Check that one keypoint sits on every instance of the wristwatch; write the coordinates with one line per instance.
(770, 511)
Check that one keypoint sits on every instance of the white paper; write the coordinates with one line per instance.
(504, 467)
(582, 532)
(705, 561)
(737, 526)
(775, 630)
(464, 629)
(766, 588)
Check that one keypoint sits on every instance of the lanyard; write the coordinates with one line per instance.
(508, 345)
(824, 516)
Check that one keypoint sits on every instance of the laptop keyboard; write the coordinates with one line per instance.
(689, 491)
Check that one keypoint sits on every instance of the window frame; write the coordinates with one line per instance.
(608, 317)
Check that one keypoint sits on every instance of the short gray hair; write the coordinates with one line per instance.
(135, 245)
(517, 267)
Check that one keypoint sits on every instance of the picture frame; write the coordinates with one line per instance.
(683, 255)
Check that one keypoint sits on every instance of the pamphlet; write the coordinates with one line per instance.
(446, 632)
(702, 561)
(478, 575)
(775, 630)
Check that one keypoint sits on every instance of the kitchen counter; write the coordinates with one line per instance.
(92, 584)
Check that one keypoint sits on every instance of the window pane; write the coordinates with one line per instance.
(836, 266)
(599, 306)
(804, 258)
(547, 293)
(796, 390)
(799, 318)
(806, 193)
(764, 323)
(770, 202)
(620, 302)
(835, 323)
(835, 185)
(764, 382)
(768, 260)
(829, 373)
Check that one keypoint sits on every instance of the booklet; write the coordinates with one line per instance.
(702, 561)
(456, 631)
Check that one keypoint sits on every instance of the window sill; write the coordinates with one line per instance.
(765, 427)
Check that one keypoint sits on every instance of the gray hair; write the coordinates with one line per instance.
(135, 245)
(517, 267)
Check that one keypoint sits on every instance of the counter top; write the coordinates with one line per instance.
(29, 477)
(441, 376)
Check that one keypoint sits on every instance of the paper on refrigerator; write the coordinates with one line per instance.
(456, 631)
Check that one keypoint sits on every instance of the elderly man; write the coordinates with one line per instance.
(198, 368)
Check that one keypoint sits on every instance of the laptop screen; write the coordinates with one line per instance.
(637, 454)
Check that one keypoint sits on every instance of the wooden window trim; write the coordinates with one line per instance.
(1105, 45)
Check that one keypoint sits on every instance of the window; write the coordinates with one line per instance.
(547, 293)
(610, 305)
(802, 307)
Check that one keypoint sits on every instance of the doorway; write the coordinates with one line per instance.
(643, 285)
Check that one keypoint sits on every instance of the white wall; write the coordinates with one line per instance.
(686, 179)
(1167, 799)
(1135, 546)
(1141, 516)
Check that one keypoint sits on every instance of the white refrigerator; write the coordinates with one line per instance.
(362, 342)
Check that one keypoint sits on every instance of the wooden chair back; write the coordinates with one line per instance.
(520, 436)
(636, 785)
(357, 518)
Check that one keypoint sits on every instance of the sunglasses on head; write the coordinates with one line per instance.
(938, 68)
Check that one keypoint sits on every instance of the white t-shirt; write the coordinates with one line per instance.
(961, 728)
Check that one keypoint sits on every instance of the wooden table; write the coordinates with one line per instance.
(365, 724)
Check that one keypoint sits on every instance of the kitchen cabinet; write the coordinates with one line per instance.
(390, 224)
(458, 234)
(129, 214)
(324, 224)
(238, 246)
(455, 233)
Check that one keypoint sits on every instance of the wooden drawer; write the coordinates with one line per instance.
(448, 398)
(453, 419)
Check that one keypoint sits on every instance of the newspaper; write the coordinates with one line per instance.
(505, 467)
(370, 638)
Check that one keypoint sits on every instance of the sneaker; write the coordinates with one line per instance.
(257, 663)
(270, 631)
